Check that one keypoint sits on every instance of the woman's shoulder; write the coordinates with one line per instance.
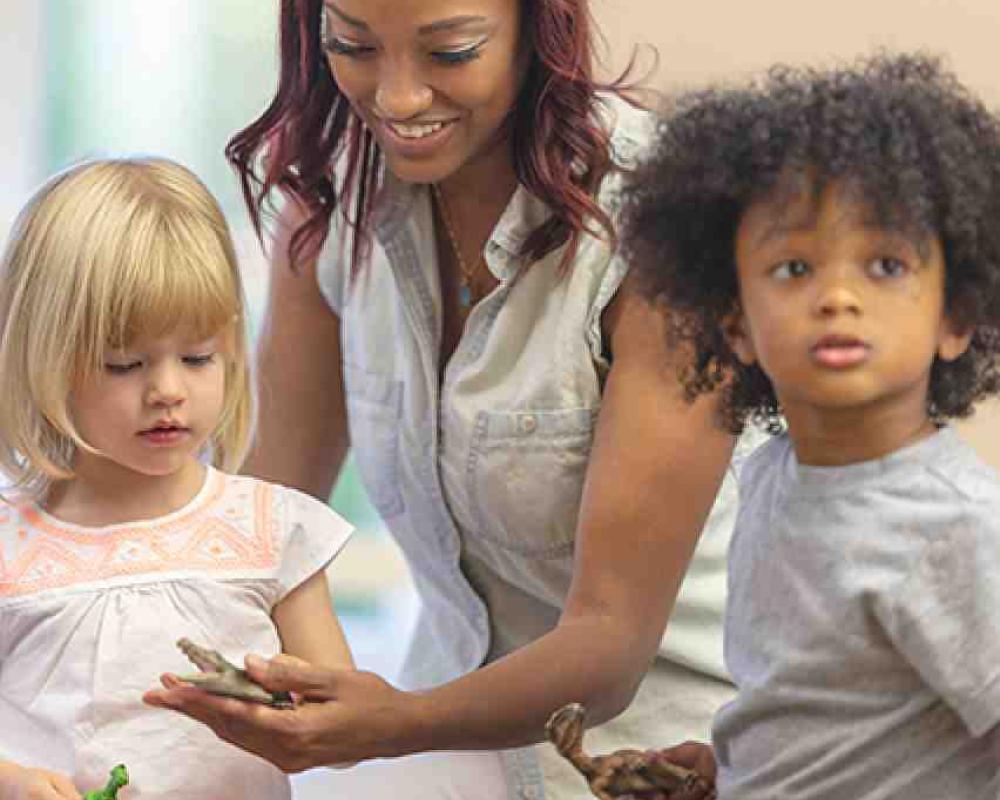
(630, 126)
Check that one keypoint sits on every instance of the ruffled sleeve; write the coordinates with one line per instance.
(308, 537)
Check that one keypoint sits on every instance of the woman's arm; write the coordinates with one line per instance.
(655, 468)
(302, 423)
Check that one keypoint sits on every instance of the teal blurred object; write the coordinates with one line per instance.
(350, 500)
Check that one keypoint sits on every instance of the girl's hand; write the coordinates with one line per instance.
(697, 756)
(27, 783)
(341, 715)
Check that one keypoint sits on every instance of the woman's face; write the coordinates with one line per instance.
(434, 80)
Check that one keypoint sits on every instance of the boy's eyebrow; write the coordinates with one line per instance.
(433, 27)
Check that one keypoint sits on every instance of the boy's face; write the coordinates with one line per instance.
(152, 407)
(839, 314)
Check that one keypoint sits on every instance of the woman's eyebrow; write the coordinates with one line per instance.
(354, 23)
(451, 23)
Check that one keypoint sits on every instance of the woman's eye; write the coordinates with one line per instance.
(793, 268)
(340, 47)
(121, 367)
(458, 56)
(887, 267)
(199, 360)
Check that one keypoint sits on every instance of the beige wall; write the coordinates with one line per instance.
(714, 40)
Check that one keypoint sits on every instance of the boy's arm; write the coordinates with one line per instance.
(308, 626)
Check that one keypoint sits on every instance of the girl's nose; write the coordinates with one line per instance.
(166, 388)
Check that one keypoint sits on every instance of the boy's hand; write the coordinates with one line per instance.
(27, 783)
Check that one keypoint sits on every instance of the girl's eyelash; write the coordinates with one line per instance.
(121, 369)
(200, 360)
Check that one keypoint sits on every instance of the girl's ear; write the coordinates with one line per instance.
(735, 333)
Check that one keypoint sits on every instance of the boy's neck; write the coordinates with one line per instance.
(97, 498)
(835, 437)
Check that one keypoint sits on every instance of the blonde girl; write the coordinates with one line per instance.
(126, 401)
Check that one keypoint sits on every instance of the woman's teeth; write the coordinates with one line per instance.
(415, 131)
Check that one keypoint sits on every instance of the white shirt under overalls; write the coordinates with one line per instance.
(479, 478)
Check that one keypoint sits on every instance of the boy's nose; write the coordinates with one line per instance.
(838, 297)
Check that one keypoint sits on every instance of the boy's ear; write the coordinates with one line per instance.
(736, 336)
(954, 339)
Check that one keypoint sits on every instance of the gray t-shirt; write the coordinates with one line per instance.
(863, 628)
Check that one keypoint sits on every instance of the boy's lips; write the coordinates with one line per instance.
(840, 351)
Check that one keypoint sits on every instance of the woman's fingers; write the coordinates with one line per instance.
(285, 673)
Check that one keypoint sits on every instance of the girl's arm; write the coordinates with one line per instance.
(21, 783)
(302, 431)
(308, 626)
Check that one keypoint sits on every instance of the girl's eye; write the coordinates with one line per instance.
(458, 56)
(887, 267)
(340, 47)
(793, 268)
(199, 360)
(122, 368)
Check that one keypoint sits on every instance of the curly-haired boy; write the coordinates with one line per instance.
(827, 243)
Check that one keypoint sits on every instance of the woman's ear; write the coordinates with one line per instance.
(735, 333)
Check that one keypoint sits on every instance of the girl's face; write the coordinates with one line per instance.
(152, 407)
(434, 80)
(839, 313)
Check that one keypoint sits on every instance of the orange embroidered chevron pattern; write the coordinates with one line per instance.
(230, 526)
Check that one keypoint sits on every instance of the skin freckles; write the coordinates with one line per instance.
(434, 80)
(846, 319)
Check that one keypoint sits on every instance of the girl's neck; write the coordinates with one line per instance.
(114, 495)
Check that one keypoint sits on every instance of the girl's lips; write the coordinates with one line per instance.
(414, 147)
(164, 436)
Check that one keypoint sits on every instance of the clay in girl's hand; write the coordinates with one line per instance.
(118, 779)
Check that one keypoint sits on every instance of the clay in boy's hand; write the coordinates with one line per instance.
(623, 773)
(118, 779)
(219, 677)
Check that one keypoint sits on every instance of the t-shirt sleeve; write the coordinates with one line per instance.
(944, 617)
(310, 535)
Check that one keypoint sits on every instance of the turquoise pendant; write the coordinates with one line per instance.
(464, 297)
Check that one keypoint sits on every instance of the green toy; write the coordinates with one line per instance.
(118, 779)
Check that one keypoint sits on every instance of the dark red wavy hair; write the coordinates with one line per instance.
(560, 150)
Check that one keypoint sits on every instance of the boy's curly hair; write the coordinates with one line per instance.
(908, 140)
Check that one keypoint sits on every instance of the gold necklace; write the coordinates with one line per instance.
(466, 272)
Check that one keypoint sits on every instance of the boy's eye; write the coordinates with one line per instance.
(793, 268)
(199, 360)
(887, 267)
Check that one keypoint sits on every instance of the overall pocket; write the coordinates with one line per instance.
(374, 404)
(525, 476)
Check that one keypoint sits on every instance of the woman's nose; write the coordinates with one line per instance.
(402, 93)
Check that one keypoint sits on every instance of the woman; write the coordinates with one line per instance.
(510, 403)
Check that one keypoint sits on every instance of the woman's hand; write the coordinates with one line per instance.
(342, 715)
(27, 783)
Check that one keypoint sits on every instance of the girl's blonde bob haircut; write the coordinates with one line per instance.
(104, 253)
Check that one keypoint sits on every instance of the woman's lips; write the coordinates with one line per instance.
(414, 140)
